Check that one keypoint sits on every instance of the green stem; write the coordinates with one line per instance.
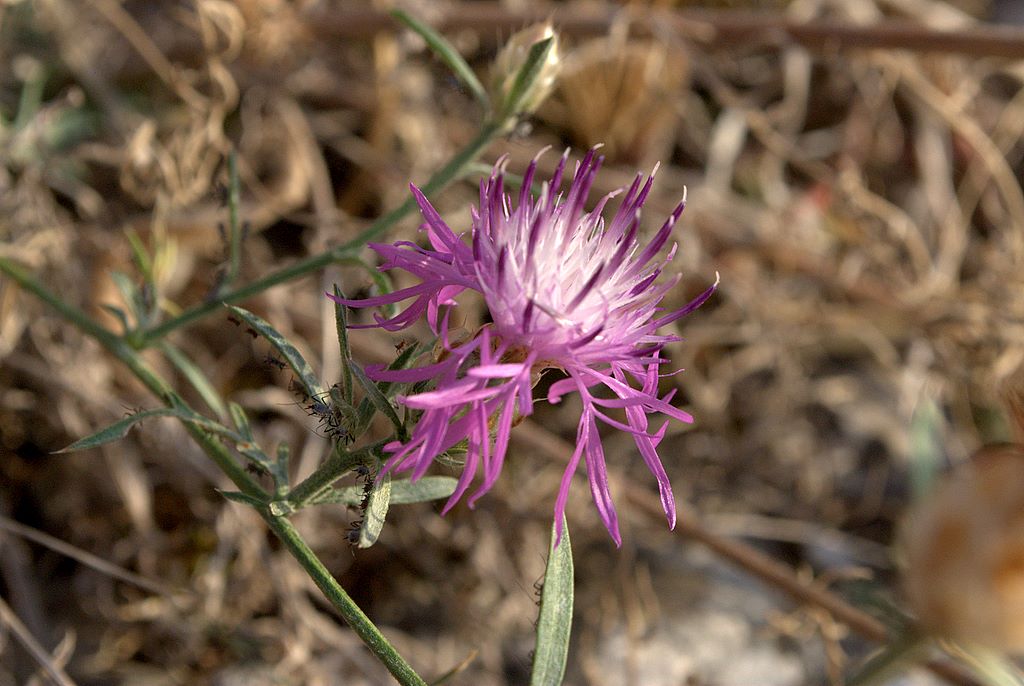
(355, 617)
(336, 466)
(340, 253)
(123, 352)
(330, 587)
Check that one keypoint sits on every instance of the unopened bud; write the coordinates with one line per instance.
(965, 553)
(525, 70)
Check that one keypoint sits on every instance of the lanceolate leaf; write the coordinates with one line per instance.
(288, 351)
(555, 623)
(443, 49)
(378, 399)
(402, 492)
(195, 377)
(119, 430)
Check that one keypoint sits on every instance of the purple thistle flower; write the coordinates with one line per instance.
(565, 290)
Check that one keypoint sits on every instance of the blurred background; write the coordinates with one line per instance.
(853, 175)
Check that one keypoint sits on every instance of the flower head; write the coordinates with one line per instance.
(565, 290)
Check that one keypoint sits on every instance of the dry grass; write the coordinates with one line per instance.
(862, 206)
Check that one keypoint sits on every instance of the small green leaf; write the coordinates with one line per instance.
(288, 351)
(238, 497)
(555, 623)
(383, 283)
(143, 261)
(341, 324)
(241, 420)
(376, 512)
(893, 659)
(121, 316)
(422, 490)
(378, 399)
(129, 294)
(279, 469)
(926, 452)
(402, 492)
(443, 49)
(195, 376)
(120, 429)
(117, 430)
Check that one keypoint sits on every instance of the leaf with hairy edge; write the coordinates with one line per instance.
(241, 420)
(288, 351)
(378, 399)
(195, 377)
(377, 504)
(448, 54)
(119, 430)
(238, 497)
(555, 623)
(402, 492)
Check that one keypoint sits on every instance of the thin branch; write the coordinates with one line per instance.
(32, 646)
(85, 558)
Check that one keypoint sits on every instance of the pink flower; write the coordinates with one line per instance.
(565, 291)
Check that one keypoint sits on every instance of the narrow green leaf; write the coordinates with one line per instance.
(195, 377)
(377, 505)
(120, 429)
(143, 261)
(444, 50)
(121, 316)
(555, 624)
(383, 283)
(238, 497)
(241, 420)
(129, 294)
(282, 478)
(403, 361)
(402, 492)
(117, 430)
(288, 351)
(926, 452)
(341, 324)
(893, 659)
(378, 399)
(426, 488)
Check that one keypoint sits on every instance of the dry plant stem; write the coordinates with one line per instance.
(84, 557)
(30, 644)
(341, 253)
(212, 446)
(715, 27)
(764, 567)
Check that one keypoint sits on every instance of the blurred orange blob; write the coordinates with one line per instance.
(965, 552)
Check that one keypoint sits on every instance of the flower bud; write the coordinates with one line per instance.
(525, 70)
(965, 553)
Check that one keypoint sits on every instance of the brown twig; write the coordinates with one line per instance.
(715, 27)
(32, 646)
(764, 567)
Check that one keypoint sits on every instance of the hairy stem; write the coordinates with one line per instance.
(341, 600)
(220, 454)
